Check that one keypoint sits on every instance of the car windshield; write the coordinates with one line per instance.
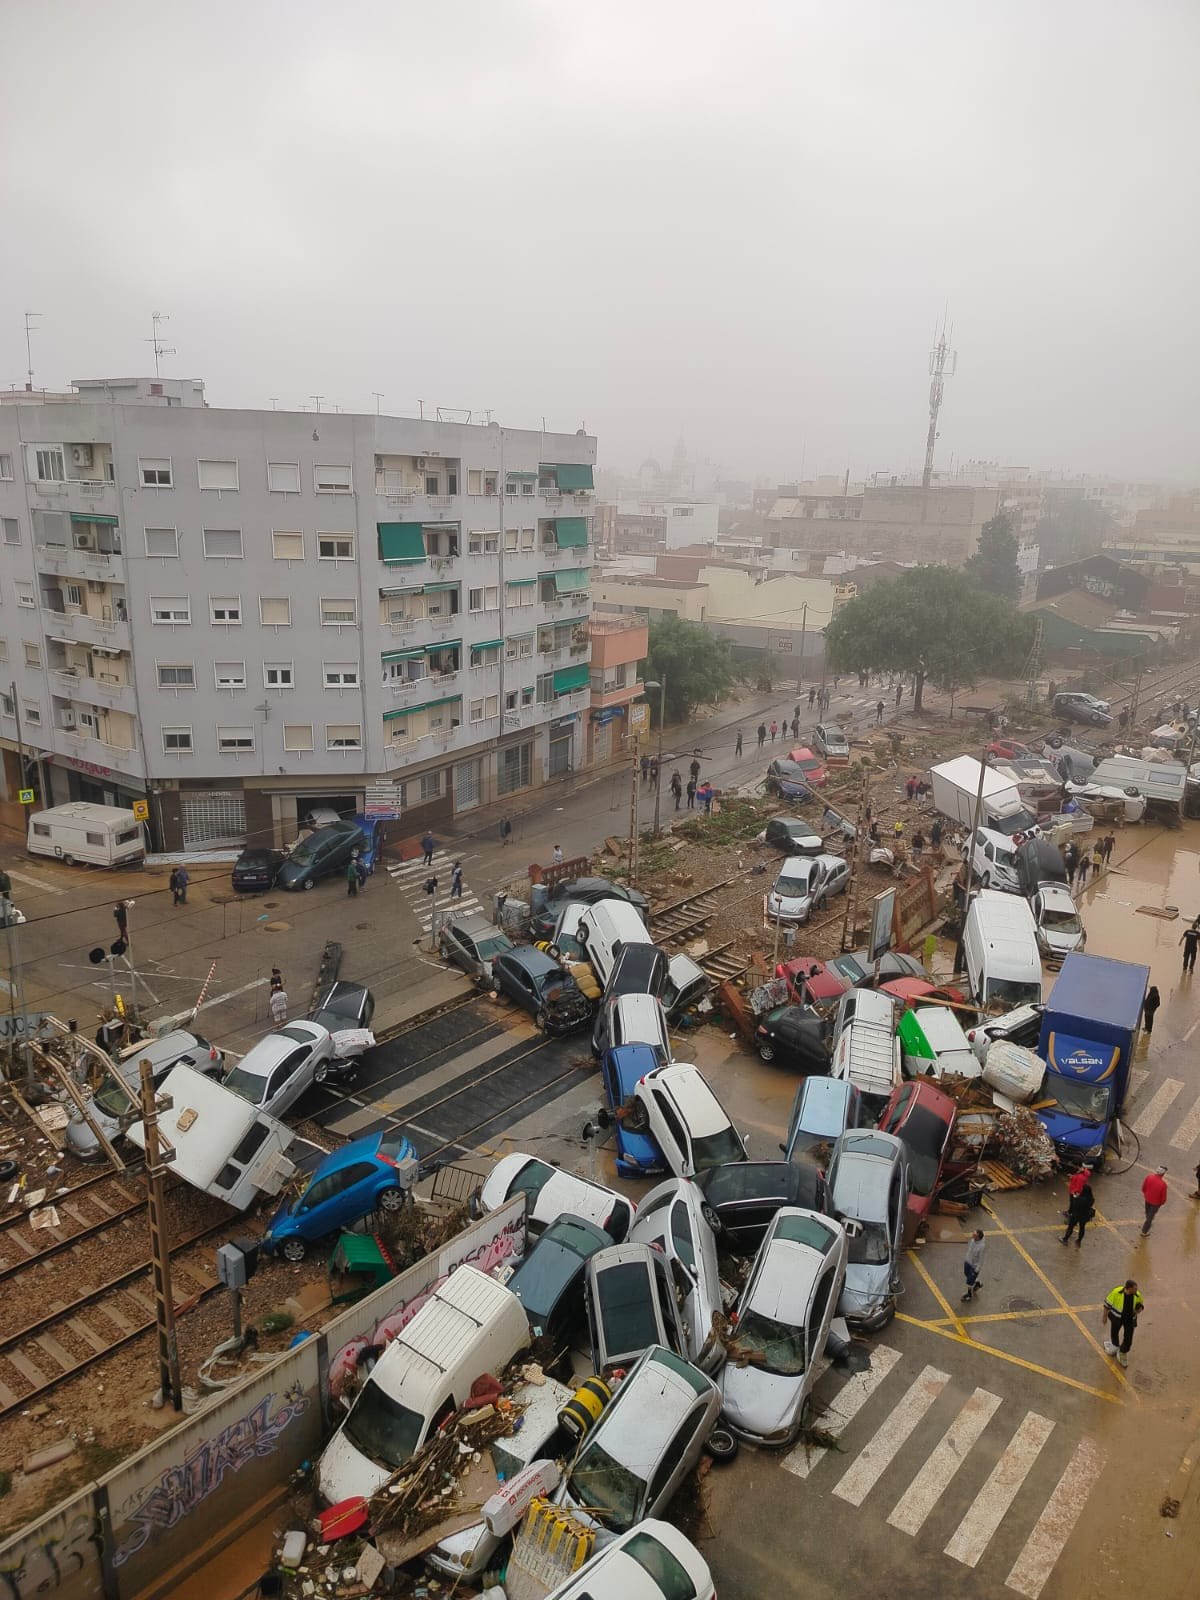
(714, 1149)
(1061, 921)
(382, 1428)
(540, 1281)
(251, 1086)
(654, 1558)
(303, 852)
(1088, 1101)
(808, 764)
(492, 945)
(627, 1309)
(1011, 994)
(775, 1346)
(112, 1100)
(924, 1136)
(869, 1246)
(609, 1490)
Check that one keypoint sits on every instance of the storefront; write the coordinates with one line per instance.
(562, 745)
(606, 735)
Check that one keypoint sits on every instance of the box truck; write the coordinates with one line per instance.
(956, 786)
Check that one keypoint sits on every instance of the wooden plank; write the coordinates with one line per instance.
(7, 1397)
(26, 1368)
(117, 1318)
(89, 1335)
(140, 1299)
(56, 1351)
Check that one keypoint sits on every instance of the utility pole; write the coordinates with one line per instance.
(160, 1249)
(662, 717)
(29, 320)
(943, 363)
(860, 828)
(635, 743)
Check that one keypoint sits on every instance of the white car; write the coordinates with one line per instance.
(803, 886)
(686, 1120)
(1130, 799)
(829, 741)
(550, 1192)
(1059, 929)
(112, 1107)
(671, 1218)
(651, 1562)
(275, 1073)
(781, 1324)
(1021, 1026)
(868, 1186)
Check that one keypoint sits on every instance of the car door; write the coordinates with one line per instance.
(665, 1475)
(820, 1315)
(671, 1134)
(897, 1197)
(287, 1081)
(352, 1197)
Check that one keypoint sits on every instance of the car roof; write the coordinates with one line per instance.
(862, 1173)
(798, 866)
(647, 1409)
(632, 1062)
(473, 923)
(266, 1055)
(357, 1150)
(690, 1091)
(534, 961)
(789, 1262)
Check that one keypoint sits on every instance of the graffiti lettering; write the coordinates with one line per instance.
(40, 1568)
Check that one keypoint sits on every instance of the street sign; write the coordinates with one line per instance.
(20, 1027)
(141, 809)
(639, 715)
(883, 909)
(25, 796)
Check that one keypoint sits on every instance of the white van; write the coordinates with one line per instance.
(604, 928)
(222, 1144)
(103, 836)
(994, 860)
(939, 1030)
(866, 1050)
(469, 1326)
(1000, 949)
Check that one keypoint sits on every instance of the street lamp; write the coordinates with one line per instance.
(662, 717)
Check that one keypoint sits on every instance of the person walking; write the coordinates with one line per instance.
(279, 1004)
(1083, 867)
(737, 749)
(677, 788)
(505, 831)
(645, 764)
(1122, 1307)
(694, 769)
(352, 877)
(812, 695)
(173, 882)
(558, 858)
(910, 788)
(1097, 857)
(706, 794)
(1189, 941)
(774, 729)
(935, 834)
(1110, 844)
(795, 727)
(360, 868)
(973, 1263)
(878, 712)
(1149, 1006)
(762, 734)
(918, 844)
(428, 845)
(431, 884)
(1154, 1194)
(899, 692)
(456, 881)
(276, 978)
(1081, 1208)
(121, 918)
(691, 794)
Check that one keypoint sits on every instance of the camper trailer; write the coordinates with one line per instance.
(102, 836)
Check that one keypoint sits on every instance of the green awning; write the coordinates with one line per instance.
(488, 644)
(426, 705)
(521, 475)
(389, 656)
(569, 582)
(446, 644)
(400, 542)
(573, 477)
(93, 516)
(569, 622)
(437, 588)
(521, 583)
(515, 638)
(571, 532)
(568, 678)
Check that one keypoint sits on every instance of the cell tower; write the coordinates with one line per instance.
(943, 363)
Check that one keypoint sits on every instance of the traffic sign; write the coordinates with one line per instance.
(141, 809)
(25, 796)
(13, 1026)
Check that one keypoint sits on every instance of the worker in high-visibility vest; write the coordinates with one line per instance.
(1122, 1307)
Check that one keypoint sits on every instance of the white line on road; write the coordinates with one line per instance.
(1186, 1036)
(1156, 1108)
(934, 1477)
(1137, 1077)
(231, 994)
(990, 1506)
(35, 883)
(1186, 1133)
(877, 1455)
(1053, 1528)
(849, 1402)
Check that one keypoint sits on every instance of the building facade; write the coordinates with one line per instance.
(240, 614)
(619, 647)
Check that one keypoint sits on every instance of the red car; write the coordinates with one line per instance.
(809, 979)
(1010, 750)
(814, 768)
(919, 991)
(923, 1118)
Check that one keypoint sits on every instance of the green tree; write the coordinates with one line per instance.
(935, 623)
(698, 668)
(994, 564)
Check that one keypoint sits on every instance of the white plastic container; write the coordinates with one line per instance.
(507, 1506)
(1013, 1070)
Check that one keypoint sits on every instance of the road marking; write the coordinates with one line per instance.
(990, 1506)
(952, 1450)
(878, 1454)
(951, 1317)
(1016, 1361)
(1186, 1133)
(1053, 1528)
(1156, 1108)
(35, 883)
(231, 994)
(841, 1411)
(1138, 1076)
(1186, 1036)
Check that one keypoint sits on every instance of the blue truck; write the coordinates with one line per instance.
(1089, 1030)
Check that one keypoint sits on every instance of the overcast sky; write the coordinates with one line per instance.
(736, 222)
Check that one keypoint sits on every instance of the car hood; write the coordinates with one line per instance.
(760, 1402)
(867, 1290)
(343, 1471)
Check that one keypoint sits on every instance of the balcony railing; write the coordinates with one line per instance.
(441, 502)
(442, 563)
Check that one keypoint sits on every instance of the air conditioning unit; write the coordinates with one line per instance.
(84, 541)
(420, 463)
(81, 455)
(66, 719)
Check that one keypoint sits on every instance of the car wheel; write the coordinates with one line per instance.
(393, 1200)
(604, 1117)
(321, 1073)
(68, 860)
(1055, 741)
(721, 1444)
(294, 1249)
(8, 1171)
(710, 1216)
(766, 1052)
(309, 883)
(540, 1019)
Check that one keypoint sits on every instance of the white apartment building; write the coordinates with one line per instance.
(242, 614)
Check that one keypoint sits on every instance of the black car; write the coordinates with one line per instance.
(793, 836)
(257, 869)
(344, 1005)
(1075, 706)
(549, 1281)
(796, 1036)
(742, 1197)
(538, 984)
(583, 891)
(319, 854)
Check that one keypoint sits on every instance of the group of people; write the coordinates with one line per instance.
(696, 792)
(1080, 862)
(916, 788)
(279, 999)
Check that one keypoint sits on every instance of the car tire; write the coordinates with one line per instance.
(321, 1073)
(8, 1171)
(604, 1117)
(766, 1052)
(393, 1200)
(1055, 741)
(721, 1444)
(711, 1217)
(294, 1249)
(540, 1019)
(309, 883)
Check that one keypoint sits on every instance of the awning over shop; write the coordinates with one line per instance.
(400, 542)
(426, 705)
(93, 516)
(571, 532)
(568, 678)
(571, 581)
(573, 477)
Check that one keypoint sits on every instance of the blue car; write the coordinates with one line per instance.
(371, 829)
(371, 1174)
(623, 1067)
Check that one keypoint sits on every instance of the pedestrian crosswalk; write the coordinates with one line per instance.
(1151, 1112)
(411, 877)
(981, 1492)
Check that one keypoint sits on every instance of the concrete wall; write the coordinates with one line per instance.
(659, 599)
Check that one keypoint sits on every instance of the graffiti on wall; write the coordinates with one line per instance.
(186, 1484)
(43, 1566)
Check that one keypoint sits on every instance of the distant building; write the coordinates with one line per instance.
(619, 646)
(1168, 535)
(897, 521)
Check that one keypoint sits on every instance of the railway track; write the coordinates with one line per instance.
(94, 1206)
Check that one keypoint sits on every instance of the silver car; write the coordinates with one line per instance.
(470, 941)
(781, 1324)
(632, 1303)
(868, 1187)
(671, 1219)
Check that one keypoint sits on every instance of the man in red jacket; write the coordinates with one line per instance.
(1154, 1193)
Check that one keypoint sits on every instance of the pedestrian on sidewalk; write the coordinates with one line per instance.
(737, 749)
(1154, 1194)
(645, 767)
(351, 877)
(694, 769)
(505, 831)
(360, 869)
(559, 858)
(762, 734)
(1189, 941)
(1083, 868)
(456, 881)
(677, 787)
(691, 794)
(774, 730)
(654, 772)
(1110, 844)
(899, 691)
(878, 712)
(1081, 1208)
(796, 709)
(973, 1264)
(1122, 1307)
(176, 893)
(1149, 1006)
(795, 727)
(428, 845)
(279, 1004)
(812, 695)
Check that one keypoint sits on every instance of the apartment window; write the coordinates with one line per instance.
(6, 468)
(225, 609)
(32, 713)
(335, 547)
(230, 674)
(33, 656)
(510, 700)
(3, 649)
(287, 546)
(48, 463)
(483, 544)
(171, 608)
(487, 655)
(487, 599)
(232, 740)
(275, 613)
(518, 539)
(341, 675)
(545, 688)
(155, 473)
(431, 786)
(527, 695)
(278, 675)
(339, 613)
(520, 594)
(223, 542)
(12, 530)
(489, 706)
(176, 676)
(217, 474)
(519, 649)
(24, 593)
(491, 483)
(177, 741)
(73, 594)
(397, 729)
(297, 736)
(8, 705)
(432, 483)
(512, 486)
(343, 736)
(514, 767)
(284, 476)
(474, 480)
(162, 542)
(332, 480)
(527, 486)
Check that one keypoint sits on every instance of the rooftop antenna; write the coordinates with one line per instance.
(943, 362)
(318, 398)
(29, 320)
(160, 349)
(378, 400)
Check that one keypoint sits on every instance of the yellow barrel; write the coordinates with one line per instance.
(582, 1410)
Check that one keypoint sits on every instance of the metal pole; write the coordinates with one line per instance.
(803, 637)
(160, 1250)
(976, 817)
(662, 717)
(633, 813)
(16, 989)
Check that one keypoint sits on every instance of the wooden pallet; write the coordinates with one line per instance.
(1000, 1176)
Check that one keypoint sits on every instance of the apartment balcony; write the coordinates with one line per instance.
(82, 747)
(440, 742)
(86, 496)
(603, 699)
(566, 555)
(77, 627)
(73, 561)
(414, 691)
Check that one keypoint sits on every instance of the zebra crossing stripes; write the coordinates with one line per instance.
(1157, 1106)
(1188, 1131)
(927, 1488)
(1056, 1523)
(843, 1409)
(411, 876)
(990, 1506)
(878, 1454)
